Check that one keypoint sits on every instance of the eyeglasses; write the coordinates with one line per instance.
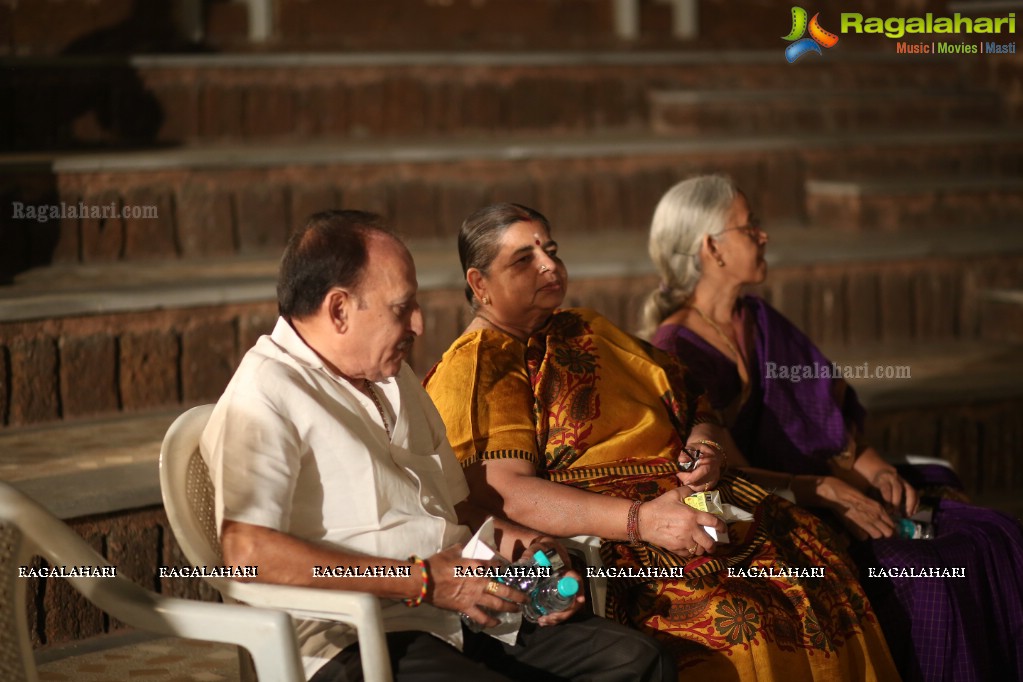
(752, 229)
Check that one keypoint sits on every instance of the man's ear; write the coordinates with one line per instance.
(477, 282)
(336, 305)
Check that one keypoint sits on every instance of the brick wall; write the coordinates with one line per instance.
(80, 367)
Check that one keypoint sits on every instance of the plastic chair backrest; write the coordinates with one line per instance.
(187, 489)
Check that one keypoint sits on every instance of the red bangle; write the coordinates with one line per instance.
(424, 572)
(632, 524)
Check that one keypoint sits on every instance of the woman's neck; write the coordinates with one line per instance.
(517, 329)
(716, 302)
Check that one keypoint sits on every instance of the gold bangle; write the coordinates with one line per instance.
(717, 448)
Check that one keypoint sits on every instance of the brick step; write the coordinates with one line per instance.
(777, 110)
(92, 102)
(88, 341)
(224, 200)
(906, 201)
(117, 468)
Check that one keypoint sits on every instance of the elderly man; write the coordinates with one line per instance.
(326, 452)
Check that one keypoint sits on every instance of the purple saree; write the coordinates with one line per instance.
(938, 628)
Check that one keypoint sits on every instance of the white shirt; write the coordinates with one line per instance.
(296, 448)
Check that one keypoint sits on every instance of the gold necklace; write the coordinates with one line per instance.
(740, 361)
(371, 392)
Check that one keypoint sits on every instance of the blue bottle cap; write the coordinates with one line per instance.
(568, 586)
(541, 559)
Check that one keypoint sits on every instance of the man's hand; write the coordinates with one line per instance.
(562, 616)
(671, 523)
(468, 594)
(545, 543)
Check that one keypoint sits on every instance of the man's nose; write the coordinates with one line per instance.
(416, 322)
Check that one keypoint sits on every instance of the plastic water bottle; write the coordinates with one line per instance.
(914, 530)
(552, 595)
(529, 577)
(522, 576)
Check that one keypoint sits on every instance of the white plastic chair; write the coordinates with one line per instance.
(589, 547)
(920, 460)
(188, 496)
(27, 530)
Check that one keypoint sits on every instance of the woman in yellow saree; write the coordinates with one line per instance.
(569, 425)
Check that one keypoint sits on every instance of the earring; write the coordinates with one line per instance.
(486, 300)
(721, 262)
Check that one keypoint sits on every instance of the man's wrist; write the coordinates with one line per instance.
(420, 574)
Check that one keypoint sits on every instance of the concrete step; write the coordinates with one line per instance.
(145, 100)
(787, 109)
(241, 199)
(913, 201)
(90, 341)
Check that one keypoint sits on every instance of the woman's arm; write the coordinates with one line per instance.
(511, 487)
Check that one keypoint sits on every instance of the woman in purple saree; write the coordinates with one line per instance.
(800, 428)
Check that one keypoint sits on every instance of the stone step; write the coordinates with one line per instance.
(90, 341)
(240, 199)
(144, 100)
(911, 201)
(787, 109)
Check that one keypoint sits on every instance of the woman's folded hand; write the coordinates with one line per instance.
(706, 468)
(895, 491)
(667, 521)
(862, 515)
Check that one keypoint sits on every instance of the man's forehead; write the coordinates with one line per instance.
(390, 263)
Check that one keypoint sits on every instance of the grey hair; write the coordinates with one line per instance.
(688, 212)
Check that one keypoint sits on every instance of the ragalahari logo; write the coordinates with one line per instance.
(818, 36)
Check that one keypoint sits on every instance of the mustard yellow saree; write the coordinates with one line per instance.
(593, 407)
